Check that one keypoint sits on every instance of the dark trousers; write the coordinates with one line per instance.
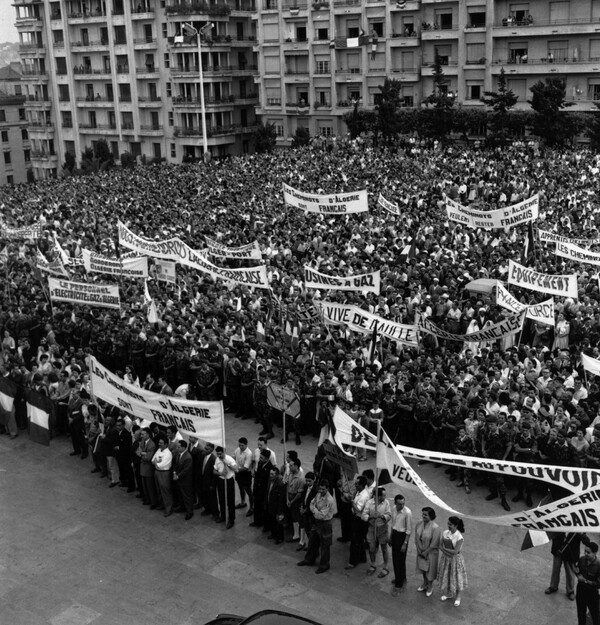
(126, 472)
(358, 550)
(149, 490)
(587, 599)
(345, 510)
(319, 540)
(80, 445)
(226, 498)
(399, 558)
(208, 500)
(185, 490)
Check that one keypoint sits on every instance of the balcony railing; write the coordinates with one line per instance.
(92, 99)
(156, 99)
(89, 71)
(151, 127)
(98, 126)
(30, 47)
(530, 21)
(183, 100)
(209, 69)
(572, 57)
(144, 40)
(84, 14)
(148, 69)
(36, 124)
(86, 44)
(201, 8)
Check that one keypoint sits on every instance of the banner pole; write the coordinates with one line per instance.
(377, 457)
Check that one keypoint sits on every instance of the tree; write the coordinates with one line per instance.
(96, 159)
(265, 138)
(439, 123)
(301, 137)
(388, 110)
(593, 129)
(551, 123)
(69, 162)
(500, 102)
(360, 122)
(127, 160)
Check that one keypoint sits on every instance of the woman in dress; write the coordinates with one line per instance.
(452, 574)
(427, 541)
(561, 333)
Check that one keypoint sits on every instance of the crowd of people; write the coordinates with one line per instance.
(528, 399)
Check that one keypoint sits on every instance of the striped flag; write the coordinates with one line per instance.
(39, 409)
(536, 538)
(260, 331)
(8, 391)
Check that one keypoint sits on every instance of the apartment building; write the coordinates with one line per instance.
(126, 71)
(16, 148)
(320, 58)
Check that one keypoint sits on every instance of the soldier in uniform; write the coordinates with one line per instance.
(262, 410)
(495, 445)
(247, 381)
(525, 450)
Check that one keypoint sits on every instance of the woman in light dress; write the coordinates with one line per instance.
(452, 574)
(427, 541)
(561, 333)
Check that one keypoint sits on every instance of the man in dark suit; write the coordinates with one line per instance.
(197, 453)
(275, 506)
(208, 486)
(184, 479)
(123, 456)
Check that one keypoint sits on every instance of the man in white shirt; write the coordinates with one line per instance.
(358, 554)
(243, 458)
(225, 470)
(162, 461)
(262, 444)
(402, 526)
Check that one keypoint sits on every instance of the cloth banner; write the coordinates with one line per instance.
(363, 321)
(336, 204)
(542, 312)
(105, 295)
(364, 283)
(202, 419)
(126, 268)
(576, 253)
(54, 267)
(562, 286)
(590, 364)
(249, 251)
(176, 250)
(166, 271)
(520, 213)
(390, 207)
(509, 325)
(25, 232)
(8, 392)
(39, 409)
(551, 237)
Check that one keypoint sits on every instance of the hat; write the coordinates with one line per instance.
(491, 419)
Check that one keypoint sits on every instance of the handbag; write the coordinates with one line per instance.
(422, 563)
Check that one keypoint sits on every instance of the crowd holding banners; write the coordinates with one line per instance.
(390, 207)
(527, 278)
(552, 237)
(25, 232)
(364, 283)
(104, 295)
(337, 204)
(424, 390)
(574, 252)
(166, 270)
(542, 312)
(248, 251)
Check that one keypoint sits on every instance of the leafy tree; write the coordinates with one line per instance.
(388, 110)
(127, 160)
(470, 121)
(96, 159)
(360, 122)
(301, 137)
(439, 123)
(551, 122)
(69, 162)
(501, 102)
(593, 129)
(265, 138)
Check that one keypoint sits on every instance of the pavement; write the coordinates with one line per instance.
(75, 552)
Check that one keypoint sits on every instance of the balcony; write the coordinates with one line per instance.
(410, 5)
(37, 102)
(197, 8)
(342, 71)
(142, 13)
(42, 155)
(88, 46)
(405, 41)
(148, 71)
(145, 43)
(151, 130)
(450, 68)
(26, 49)
(28, 22)
(43, 127)
(297, 108)
(566, 62)
(93, 102)
(537, 28)
(87, 73)
(241, 6)
(98, 129)
(33, 72)
(346, 3)
(87, 17)
(153, 102)
(430, 33)
(269, 5)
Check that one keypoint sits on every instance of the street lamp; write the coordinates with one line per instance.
(189, 30)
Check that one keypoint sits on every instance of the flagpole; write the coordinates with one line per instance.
(377, 457)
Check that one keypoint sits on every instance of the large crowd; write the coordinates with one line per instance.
(527, 399)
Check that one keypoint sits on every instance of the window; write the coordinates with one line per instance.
(559, 12)
(377, 27)
(271, 32)
(559, 50)
(24, 134)
(272, 65)
(4, 136)
(475, 53)
(170, 118)
(408, 61)
(168, 90)
(301, 33)
(322, 67)
(354, 94)
(10, 179)
(474, 91)
(519, 12)
(273, 96)
(594, 49)
(114, 148)
(518, 87)
(279, 129)
(63, 93)
(156, 150)
(445, 54)
(120, 36)
(173, 150)
(27, 155)
(3, 115)
(164, 30)
(167, 61)
(354, 63)
(66, 119)
(476, 18)
(323, 97)
(516, 51)
(443, 19)
(323, 34)
(594, 90)
(7, 159)
(70, 147)
(353, 28)
(326, 131)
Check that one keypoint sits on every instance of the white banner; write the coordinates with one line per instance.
(365, 283)
(175, 249)
(542, 312)
(563, 286)
(590, 364)
(520, 213)
(506, 327)
(166, 270)
(390, 207)
(249, 251)
(104, 295)
(25, 232)
(126, 268)
(202, 419)
(578, 254)
(550, 237)
(336, 204)
(363, 321)
(55, 267)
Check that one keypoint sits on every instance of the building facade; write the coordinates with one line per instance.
(320, 58)
(124, 71)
